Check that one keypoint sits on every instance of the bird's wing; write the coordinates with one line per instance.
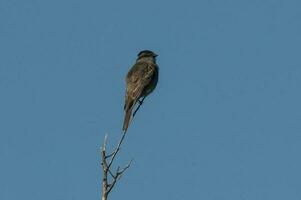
(138, 78)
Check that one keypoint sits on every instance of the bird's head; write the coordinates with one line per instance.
(147, 54)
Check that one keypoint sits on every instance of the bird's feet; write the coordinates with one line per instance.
(140, 102)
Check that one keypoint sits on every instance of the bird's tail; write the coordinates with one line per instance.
(127, 119)
(128, 107)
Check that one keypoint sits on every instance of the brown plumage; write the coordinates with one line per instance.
(141, 80)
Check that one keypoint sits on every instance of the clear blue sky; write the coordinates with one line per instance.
(223, 123)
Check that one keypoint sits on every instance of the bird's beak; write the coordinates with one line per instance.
(155, 55)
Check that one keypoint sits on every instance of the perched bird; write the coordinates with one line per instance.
(141, 80)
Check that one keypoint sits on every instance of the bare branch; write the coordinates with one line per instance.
(111, 154)
(111, 173)
(126, 167)
(107, 165)
(114, 181)
(103, 150)
(104, 169)
(116, 150)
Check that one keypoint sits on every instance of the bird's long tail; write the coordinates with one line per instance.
(128, 107)
(127, 119)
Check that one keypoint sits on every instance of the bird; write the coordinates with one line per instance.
(141, 80)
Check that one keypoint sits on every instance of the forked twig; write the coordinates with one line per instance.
(108, 185)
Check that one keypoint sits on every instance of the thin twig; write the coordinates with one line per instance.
(126, 167)
(111, 173)
(108, 156)
(116, 150)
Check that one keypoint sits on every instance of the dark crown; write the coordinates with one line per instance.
(146, 53)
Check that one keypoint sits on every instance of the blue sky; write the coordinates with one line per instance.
(223, 123)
